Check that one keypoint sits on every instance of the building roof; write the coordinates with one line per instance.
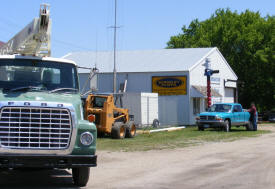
(163, 60)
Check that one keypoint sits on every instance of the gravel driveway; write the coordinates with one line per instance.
(247, 163)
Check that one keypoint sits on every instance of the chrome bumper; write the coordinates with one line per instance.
(208, 123)
(47, 161)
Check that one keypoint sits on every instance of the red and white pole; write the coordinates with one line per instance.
(208, 72)
(208, 92)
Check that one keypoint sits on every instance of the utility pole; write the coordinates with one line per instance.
(115, 74)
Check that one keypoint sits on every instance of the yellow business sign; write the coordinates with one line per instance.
(169, 85)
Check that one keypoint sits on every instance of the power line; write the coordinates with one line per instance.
(10, 23)
(71, 45)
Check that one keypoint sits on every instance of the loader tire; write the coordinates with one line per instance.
(131, 129)
(118, 131)
(81, 176)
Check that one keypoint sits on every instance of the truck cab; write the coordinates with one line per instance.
(41, 117)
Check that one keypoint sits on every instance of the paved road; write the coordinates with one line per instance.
(247, 163)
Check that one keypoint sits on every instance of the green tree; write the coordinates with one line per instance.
(247, 41)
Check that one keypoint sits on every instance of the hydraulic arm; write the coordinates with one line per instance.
(34, 39)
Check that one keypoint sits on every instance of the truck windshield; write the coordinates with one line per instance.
(220, 108)
(37, 74)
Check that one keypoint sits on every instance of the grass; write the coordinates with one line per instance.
(169, 140)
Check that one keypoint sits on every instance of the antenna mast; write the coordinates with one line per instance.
(115, 73)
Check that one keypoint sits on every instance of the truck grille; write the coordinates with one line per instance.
(211, 117)
(207, 117)
(203, 117)
(35, 128)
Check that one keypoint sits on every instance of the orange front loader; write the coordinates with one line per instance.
(108, 118)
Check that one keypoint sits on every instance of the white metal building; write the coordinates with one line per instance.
(176, 74)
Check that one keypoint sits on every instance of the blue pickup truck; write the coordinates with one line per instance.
(224, 115)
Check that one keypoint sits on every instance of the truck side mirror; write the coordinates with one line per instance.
(93, 83)
(93, 79)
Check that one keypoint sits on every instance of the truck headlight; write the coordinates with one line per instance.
(86, 138)
(218, 118)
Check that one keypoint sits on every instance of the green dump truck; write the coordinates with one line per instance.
(41, 114)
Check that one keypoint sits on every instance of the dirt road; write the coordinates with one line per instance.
(247, 163)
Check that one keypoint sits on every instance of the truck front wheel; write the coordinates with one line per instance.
(81, 176)
(226, 126)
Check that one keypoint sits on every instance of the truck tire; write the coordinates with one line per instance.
(118, 131)
(130, 129)
(227, 126)
(81, 176)
(249, 126)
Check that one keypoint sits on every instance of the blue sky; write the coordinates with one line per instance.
(83, 25)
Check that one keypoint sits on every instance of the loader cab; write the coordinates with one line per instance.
(98, 101)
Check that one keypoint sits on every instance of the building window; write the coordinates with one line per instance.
(196, 106)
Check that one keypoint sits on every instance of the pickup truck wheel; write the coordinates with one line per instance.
(81, 176)
(249, 126)
(130, 130)
(226, 126)
(118, 131)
